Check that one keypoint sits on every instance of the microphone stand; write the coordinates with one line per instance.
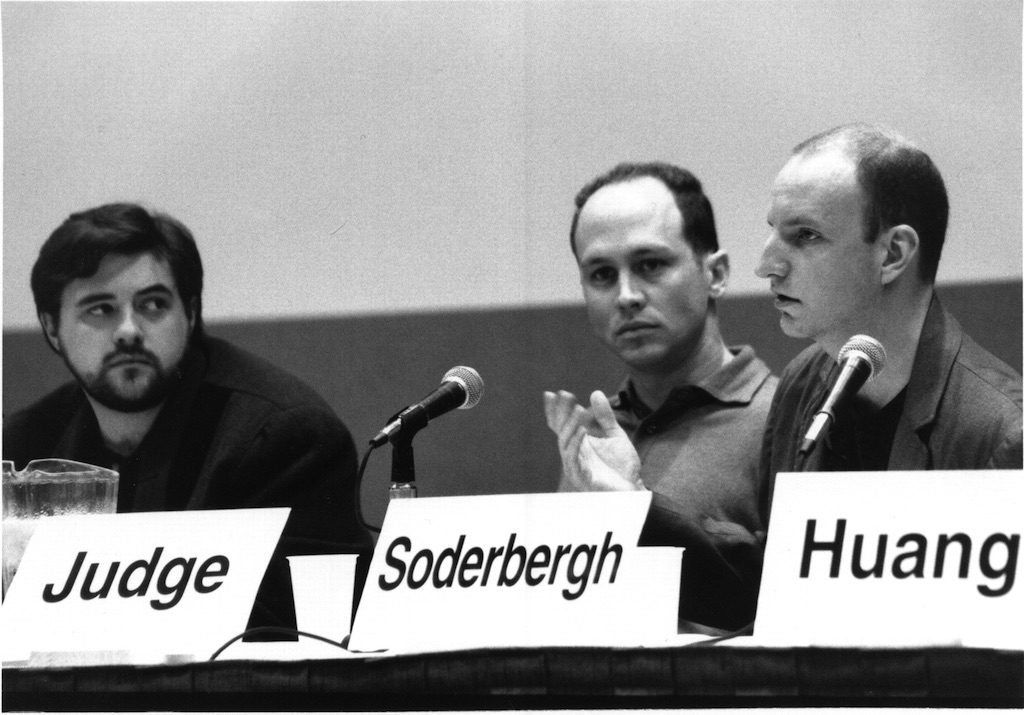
(403, 464)
(403, 470)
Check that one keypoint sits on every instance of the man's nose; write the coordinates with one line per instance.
(631, 295)
(128, 329)
(773, 261)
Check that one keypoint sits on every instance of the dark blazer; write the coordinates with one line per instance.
(237, 432)
(962, 408)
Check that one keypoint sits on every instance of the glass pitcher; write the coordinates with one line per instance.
(49, 487)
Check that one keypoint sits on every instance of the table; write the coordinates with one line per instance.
(528, 678)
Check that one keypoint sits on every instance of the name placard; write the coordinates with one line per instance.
(159, 582)
(894, 559)
(517, 570)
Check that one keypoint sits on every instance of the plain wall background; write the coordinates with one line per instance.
(383, 157)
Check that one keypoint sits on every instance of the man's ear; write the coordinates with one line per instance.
(716, 268)
(50, 331)
(193, 306)
(901, 244)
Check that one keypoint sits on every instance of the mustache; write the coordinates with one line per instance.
(133, 353)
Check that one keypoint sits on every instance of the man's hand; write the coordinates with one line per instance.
(596, 452)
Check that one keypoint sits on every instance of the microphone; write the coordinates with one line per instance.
(861, 358)
(461, 388)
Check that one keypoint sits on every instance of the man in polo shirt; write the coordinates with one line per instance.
(688, 421)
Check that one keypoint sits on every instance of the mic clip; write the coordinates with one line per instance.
(401, 428)
(403, 425)
(819, 427)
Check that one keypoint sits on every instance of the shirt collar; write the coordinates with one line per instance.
(735, 383)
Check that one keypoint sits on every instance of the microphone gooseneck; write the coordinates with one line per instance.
(861, 359)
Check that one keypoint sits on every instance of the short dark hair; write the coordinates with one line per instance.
(694, 206)
(900, 182)
(76, 248)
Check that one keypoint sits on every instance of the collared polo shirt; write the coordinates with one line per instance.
(699, 454)
(704, 441)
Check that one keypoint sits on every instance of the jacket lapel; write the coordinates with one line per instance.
(937, 350)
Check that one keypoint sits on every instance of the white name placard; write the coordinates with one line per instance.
(894, 559)
(517, 570)
(155, 582)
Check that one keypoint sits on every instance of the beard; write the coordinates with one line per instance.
(137, 385)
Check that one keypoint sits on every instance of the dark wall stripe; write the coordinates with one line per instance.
(369, 367)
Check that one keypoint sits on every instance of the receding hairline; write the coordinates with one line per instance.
(655, 210)
(635, 180)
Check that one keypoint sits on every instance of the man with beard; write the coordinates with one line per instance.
(189, 421)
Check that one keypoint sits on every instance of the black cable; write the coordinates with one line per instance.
(359, 492)
(279, 629)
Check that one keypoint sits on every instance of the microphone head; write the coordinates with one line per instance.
(868, 348)
(470, 380)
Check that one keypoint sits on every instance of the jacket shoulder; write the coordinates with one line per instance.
(981, 370)
(985, 393)
(256, 397)
(237, 370)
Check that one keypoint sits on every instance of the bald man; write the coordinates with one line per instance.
(687, 422)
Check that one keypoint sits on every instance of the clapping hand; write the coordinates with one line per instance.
(596, 452)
